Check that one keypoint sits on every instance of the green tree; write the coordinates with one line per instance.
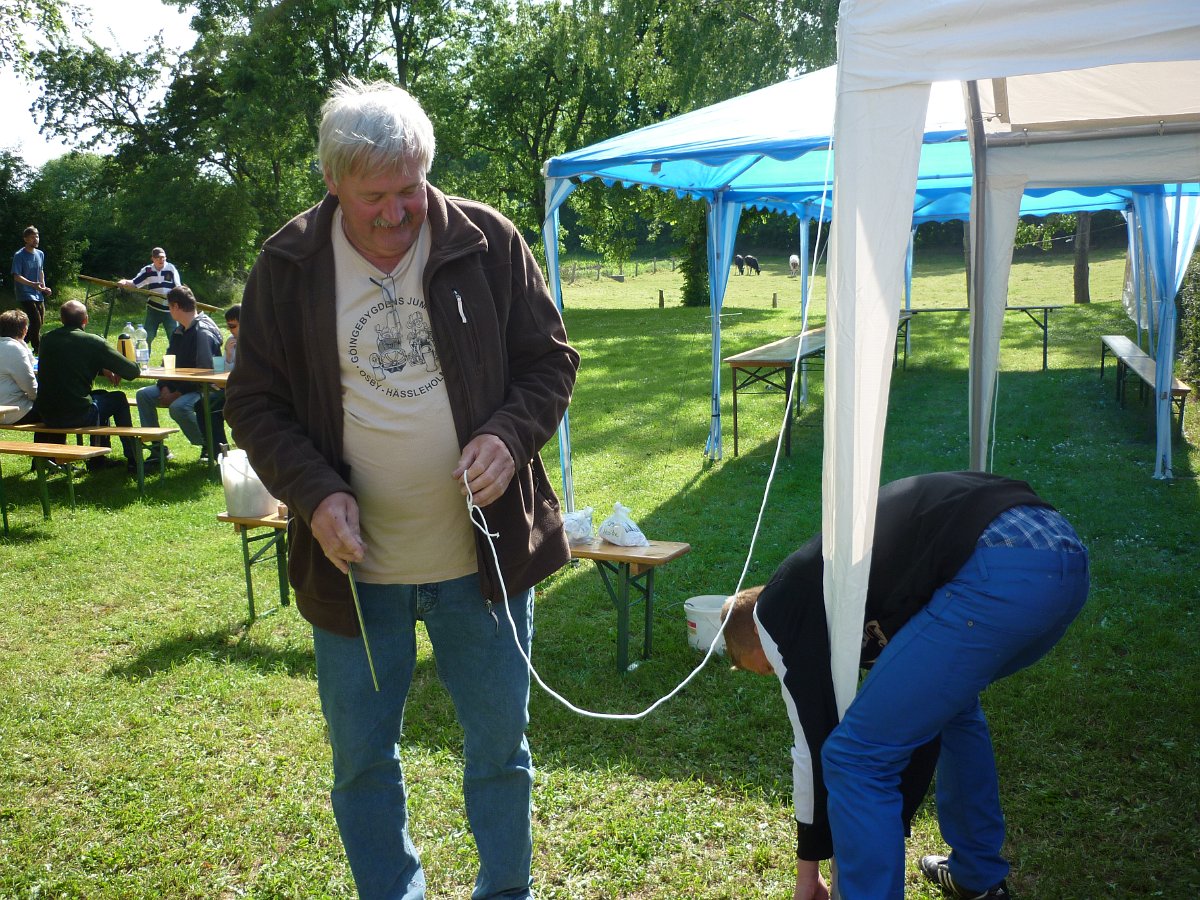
(693, 261)
(92, 97)
(61, 196)
(48, 18)
(15, 213)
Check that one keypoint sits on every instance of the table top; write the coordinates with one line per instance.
(57, 451)
(657, 553)
(1025, 308)
(274, 520)
(781, 352)
(201, 376)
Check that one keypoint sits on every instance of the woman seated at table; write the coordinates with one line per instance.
(18, 378)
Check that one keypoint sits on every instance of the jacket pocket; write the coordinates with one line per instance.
(469, 326)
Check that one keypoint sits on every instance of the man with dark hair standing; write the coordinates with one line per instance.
(71, 359)
(194, 342)
(29, 283)
(399, 347)
(160, 276)
(973, 577)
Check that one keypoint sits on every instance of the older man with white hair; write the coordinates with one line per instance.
(399, 347)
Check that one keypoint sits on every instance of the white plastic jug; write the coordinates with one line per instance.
(245, 495)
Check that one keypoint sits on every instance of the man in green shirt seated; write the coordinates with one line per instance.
(69, 362)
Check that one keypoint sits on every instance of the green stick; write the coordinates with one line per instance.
(362, 626)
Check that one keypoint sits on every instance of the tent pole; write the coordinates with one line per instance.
(979, 418)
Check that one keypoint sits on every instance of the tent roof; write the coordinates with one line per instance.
(1086, 99)
(770, 149)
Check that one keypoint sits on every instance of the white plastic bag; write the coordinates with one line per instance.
(621, 530)
(578, 525)
(245, 495)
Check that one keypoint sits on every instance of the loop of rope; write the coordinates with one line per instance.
(479, 520)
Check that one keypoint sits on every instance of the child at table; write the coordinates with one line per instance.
(233, 316)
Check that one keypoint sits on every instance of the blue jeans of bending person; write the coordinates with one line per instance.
(185, 411)
(478, 662)
(1001, 612)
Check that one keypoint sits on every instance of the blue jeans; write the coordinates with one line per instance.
(183, 410)
(1001, 612)
(106, 405)
(488, 681)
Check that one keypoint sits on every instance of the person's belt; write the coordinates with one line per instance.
(161, 307)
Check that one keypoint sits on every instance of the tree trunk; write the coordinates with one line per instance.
(1083, 244)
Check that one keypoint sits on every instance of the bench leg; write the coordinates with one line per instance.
(648, 633)
(281, 558)
(787, 413)
(274, 539)
(140, 463)
(623, 619)
(619, 595)
(70, 486)
(735, 417)
(39, 466)
(247, 562)
(3, 504)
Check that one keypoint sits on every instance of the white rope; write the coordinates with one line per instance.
(480, 521)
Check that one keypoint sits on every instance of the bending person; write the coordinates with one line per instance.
(973, 577)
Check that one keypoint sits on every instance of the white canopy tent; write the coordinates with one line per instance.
(1092, 133)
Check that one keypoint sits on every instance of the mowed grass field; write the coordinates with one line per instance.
(155, 744)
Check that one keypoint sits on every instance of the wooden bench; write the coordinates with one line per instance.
(273, 539)
(141, 437)
(41, 453)
(629, 569)
(1131, 357)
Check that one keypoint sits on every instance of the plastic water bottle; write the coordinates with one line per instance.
(141, 348)
(125, 342)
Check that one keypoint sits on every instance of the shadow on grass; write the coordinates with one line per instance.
(234, 645)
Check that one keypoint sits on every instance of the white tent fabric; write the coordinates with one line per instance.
(888, 54)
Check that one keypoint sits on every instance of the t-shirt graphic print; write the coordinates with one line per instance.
(399, 437)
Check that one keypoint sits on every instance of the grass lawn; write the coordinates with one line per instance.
(152, 744)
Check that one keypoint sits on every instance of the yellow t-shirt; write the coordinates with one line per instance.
(399, 439)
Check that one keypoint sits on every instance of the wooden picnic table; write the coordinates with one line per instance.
(207, 379)
(623, 569)
(1043, 323)
(773, 366)
(41, 453)
(274, 539)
